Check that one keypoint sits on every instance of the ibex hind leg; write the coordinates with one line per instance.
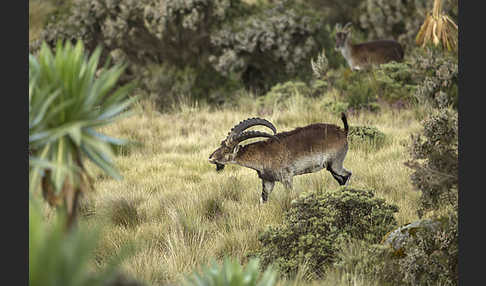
(339, 173)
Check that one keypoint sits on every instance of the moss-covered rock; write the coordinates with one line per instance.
(400, 236)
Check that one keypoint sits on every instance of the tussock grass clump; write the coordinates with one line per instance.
(124, 213)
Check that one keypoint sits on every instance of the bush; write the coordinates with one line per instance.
(232, 273)
(281, 93)
(432, 256)
(435, 161)
(214, 47)
(272, 45)
(438, 78)
(368, 135)
(316, 224)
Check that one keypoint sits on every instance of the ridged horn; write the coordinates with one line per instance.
(252, 134)
(247, 123)
(347, 26)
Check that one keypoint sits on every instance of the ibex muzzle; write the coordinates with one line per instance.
(284, 155)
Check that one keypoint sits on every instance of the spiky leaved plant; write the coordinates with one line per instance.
(68, 101)
(231, 273)
(57, 258)
(438, 28)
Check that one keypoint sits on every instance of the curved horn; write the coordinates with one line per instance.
(347, 26)
(252, 134)
(247, 123)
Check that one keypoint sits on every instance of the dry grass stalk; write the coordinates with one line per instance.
(438, 28)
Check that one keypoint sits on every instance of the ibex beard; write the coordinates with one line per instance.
(284, 155)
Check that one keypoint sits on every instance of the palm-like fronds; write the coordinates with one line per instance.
(231, 273)
(438, 28)
(67, 102)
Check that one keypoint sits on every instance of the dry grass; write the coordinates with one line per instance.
(185, 213)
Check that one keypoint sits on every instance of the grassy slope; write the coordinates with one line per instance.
(179, 212)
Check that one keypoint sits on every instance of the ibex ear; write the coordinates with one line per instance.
(337, 27)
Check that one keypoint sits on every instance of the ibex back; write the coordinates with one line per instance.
(364, 55)
(284, 155)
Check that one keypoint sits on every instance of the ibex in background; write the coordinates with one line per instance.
(363, 55)
(287, 154)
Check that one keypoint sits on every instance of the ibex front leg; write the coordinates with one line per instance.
(267, 188)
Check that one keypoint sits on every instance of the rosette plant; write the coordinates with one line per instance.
(70, 97)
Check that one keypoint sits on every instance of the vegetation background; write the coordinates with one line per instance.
(202, 66)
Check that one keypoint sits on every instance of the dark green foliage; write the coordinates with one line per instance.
(280, 94)
(366, 134)
(231, 273)
(358, 89)
(213, 47)
(435, 160)
(430, 258)
(270, 46)
(437, 77)
(396, 82)
(316, 224)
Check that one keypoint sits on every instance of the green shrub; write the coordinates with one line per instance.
(214, 47)
(231, 273)
(316, 224)
(367, 135)
(272, 45)
(435, 161)
(429, 257)
(281, 93)
(437, 78)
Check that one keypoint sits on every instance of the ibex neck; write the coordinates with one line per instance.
(346, 52)
(249, 156)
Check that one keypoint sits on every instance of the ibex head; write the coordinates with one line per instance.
(226, 153)
(342, 34)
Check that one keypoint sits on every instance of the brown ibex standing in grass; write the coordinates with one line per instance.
(363, 55)
(284, 155)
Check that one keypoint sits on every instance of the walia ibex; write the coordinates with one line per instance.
(364, 55)
(287, 154)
